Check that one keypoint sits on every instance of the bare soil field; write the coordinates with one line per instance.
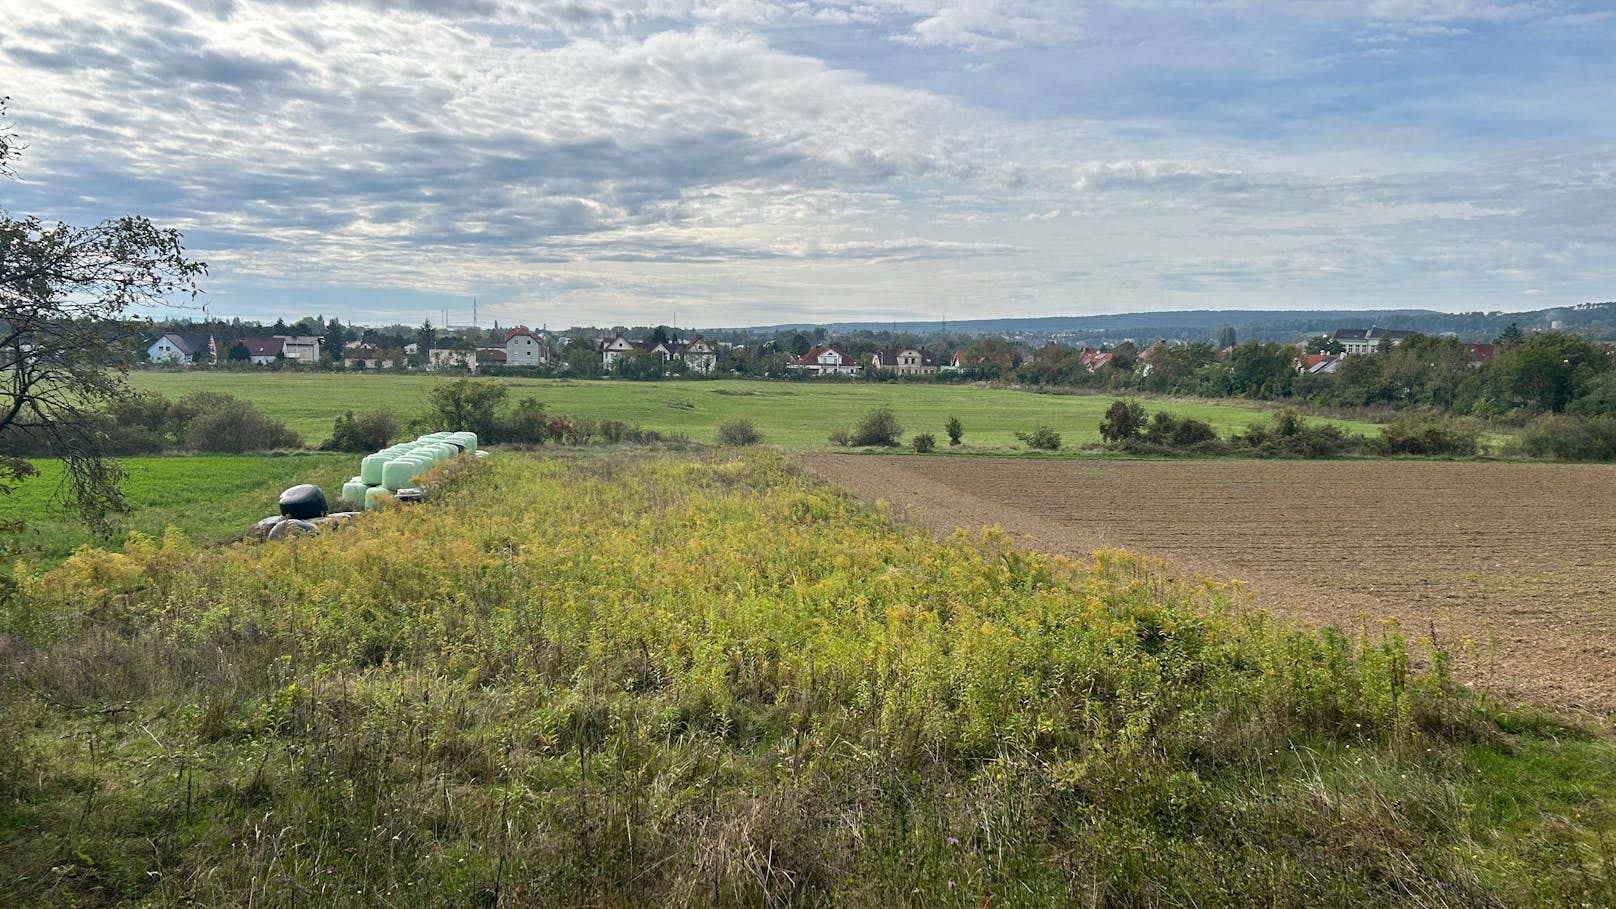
(1512, 567)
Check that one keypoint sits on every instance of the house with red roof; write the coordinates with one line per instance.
(826, 361)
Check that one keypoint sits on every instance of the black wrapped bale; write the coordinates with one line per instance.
(303, 502)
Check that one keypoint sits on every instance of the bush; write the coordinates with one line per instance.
(371, 432)
(1412, 435)
(1570, 438)
(923, 442)
(1123, 420)
(840, 436)
(1044, 438)
(878, 427)
(464, 404)
(1287, 434)
(526, 424)
(739, 431)
(238, 429)
(955, 430)
(1179, 432)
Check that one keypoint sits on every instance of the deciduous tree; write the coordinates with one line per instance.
(66, 340)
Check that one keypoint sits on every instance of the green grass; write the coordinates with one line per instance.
(796, 415)
(208, 497)
(636, 679)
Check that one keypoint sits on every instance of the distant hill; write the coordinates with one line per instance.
(1596, 320)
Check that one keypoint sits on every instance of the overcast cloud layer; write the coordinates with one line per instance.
(725, 162)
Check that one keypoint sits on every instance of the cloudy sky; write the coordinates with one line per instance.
(729, 162)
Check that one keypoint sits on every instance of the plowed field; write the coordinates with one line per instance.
(1511, 566)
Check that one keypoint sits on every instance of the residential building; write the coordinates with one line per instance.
(698, 354)
(526, 348)
(367, 358)
(264, 351)
(614, 347)
(826, 361)
(1365, 340)
(905, 361)
(170, 348)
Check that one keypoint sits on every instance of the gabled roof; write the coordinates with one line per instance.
(260, 346)
(179, 343)
(1481, 353)
(811, 358)
(523, 333)
(887, 358)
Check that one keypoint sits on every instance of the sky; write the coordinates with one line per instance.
(709, 163)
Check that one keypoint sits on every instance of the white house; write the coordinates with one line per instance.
(826, 361)
(305, 349)
(905, 361)
(1365, 340)
(614, 347)
(170, 348)
(698, 355)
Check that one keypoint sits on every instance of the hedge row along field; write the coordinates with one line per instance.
(703, 680)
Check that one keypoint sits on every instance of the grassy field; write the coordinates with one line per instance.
(207, 497)
(798, 415)
(637, 679)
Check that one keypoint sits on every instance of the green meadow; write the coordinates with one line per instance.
(208, 497)
(796, 415)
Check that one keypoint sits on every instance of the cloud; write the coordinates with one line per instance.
(957, 156)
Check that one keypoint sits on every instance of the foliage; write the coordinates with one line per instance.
(464, 405)
(1179, 432)
(923, 442)
(840, 436)
(1287, 434)
(715, 682)
(527, 423)
(65, 343)
(1570, 438)
(879, 426)
(739, 431)
(1043, 438)
(370, 432)
(1431, 436)
(237, 429)
(955, 430)
(1123, 420)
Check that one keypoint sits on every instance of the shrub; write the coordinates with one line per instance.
(373, 431)
(923, 442)
(955, 430)
(1123, 420)
(1044, 438)
(878, 427)
(739, 431)
(1415, 436)
(840, 436)
(526, 424)
(464, 404)
(1570, 438)
(1168, 431)
(238, 429)
(1287, 434)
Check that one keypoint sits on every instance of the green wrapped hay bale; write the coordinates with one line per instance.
(397, 473)
(354, 490)
(374, 496)
(370, 469)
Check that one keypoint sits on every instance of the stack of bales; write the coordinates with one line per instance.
(389, 473)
